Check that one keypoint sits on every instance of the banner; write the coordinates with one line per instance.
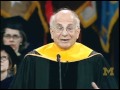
(87, 13)
(109, 13)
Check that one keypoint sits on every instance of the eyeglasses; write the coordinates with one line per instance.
(8, 36)
(70, 28)
(3, 58)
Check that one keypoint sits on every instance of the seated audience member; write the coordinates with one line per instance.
(7, 60)
(13, 34)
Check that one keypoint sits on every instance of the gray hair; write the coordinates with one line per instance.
(52, 19)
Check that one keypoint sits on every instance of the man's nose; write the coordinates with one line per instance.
(64, 33)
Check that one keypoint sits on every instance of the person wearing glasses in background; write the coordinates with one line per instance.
(65, 63)
(7, 61)
(13, 34)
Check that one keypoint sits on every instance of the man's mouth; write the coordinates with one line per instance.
(64, 40)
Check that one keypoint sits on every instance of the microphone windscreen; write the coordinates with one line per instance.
(58, 55)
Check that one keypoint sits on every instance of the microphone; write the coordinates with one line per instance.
(58, 57)
(60, 77)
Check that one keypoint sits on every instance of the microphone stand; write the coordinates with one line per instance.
(60, 77)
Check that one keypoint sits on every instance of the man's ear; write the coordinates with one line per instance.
(51, 33)
(78, 33)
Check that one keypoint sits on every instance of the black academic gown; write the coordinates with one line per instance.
(37, 72)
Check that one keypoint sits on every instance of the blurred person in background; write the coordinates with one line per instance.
(13, 34)
(7, 69)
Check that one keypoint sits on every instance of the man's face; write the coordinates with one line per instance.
(13, 38)
(64, 31)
